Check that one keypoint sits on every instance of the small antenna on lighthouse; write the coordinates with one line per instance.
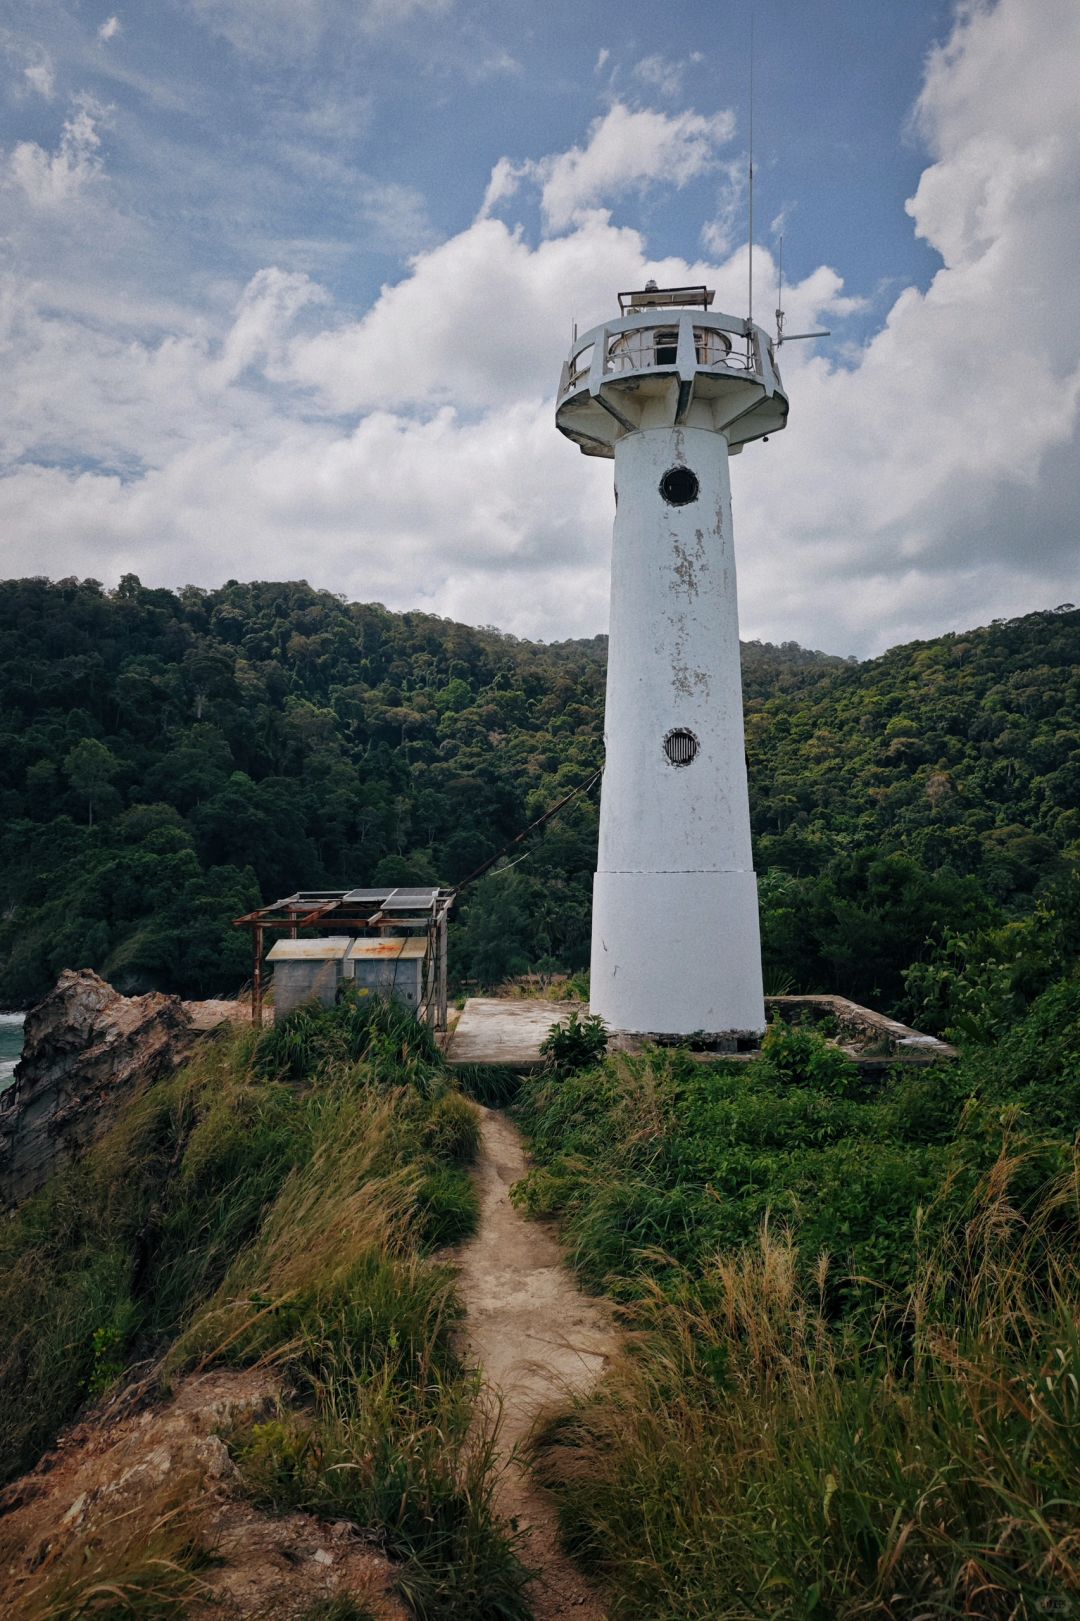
(750, 185)
(792, 337)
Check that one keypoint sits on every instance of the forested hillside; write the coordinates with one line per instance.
(169, 758)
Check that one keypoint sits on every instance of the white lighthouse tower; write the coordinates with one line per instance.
(670, 391)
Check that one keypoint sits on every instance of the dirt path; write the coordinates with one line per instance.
(535, 1335)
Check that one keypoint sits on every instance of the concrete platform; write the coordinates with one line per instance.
(495, 1030)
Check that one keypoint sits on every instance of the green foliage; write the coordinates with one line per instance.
(656, 1162)
(493, 1085)
(452, 1132)
(747, 1446)
(796, 1055)
(974, 987)
(234, 745)
(273, 1203)
(851, 1382)
(575, 1043)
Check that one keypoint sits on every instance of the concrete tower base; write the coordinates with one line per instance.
(678, 975)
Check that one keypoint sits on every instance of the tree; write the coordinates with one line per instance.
(91, 767)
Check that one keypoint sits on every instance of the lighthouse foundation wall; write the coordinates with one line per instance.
(677, 953)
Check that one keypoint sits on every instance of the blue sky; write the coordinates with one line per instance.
(285, 288)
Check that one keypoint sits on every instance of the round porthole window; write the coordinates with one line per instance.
(681, 746)
(679, 486)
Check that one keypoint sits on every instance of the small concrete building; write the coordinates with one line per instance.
(307, 971)
(389, 967)
(388, 942)
(313, 970)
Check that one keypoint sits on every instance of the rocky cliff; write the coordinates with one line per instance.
(88, 1051)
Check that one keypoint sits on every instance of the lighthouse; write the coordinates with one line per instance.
(670, 391)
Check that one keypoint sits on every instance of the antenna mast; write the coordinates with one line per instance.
(750, 253)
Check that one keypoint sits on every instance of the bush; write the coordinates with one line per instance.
(576, 1043)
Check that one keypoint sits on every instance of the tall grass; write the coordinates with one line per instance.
(749, 1457)
(851, 1383)
(143, 1561)
(277, 1203)
(337, 1294)
(106, 1262)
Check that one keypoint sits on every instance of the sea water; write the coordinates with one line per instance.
(11, 1042)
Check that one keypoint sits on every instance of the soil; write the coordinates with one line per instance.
(138, 1459)
(537, 1338)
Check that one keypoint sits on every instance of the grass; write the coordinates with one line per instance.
(852, 1378)
(493, 1085)
(753, 1449)
(278, 1203)
(655, 1163)
(143, 1562)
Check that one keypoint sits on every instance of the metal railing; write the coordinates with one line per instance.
(655, 348)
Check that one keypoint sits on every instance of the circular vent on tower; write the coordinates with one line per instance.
(681, 746)
(679, 486)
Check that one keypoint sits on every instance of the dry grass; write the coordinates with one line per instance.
(142, 1561)
(750, 1459)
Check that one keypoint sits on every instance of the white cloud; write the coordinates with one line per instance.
(397, 216)
(260, 28)
(109, 29)
(729, 221)
(627, 150)
(929, 478)
(660, 74)
(51, 179)
(270, 303)
(41, 77)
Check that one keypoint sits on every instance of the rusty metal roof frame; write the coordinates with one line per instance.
(350, 909)
(356, 911)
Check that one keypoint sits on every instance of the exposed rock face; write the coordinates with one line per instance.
(88, 1051)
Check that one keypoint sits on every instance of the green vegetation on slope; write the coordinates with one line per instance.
(276, 1202)
(852, 1386)
(168, 759)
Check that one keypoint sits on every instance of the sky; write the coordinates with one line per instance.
(286, 287)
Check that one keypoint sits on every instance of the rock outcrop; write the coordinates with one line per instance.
(145, 1477)
(88, 1051)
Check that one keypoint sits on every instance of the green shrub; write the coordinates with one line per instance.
(575, 1043)
(448, 1207)
(452, 1129)
(798, 1055)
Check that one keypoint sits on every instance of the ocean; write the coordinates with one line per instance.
(11, 1040)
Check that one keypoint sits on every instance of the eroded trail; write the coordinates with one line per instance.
(535, 1335)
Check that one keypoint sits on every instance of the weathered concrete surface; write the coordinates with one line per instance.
(536, 1337)
(499, 1031)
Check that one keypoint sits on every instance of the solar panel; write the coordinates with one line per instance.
(367, 894)
(407, 900)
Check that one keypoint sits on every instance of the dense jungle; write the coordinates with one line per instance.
(169, 759)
